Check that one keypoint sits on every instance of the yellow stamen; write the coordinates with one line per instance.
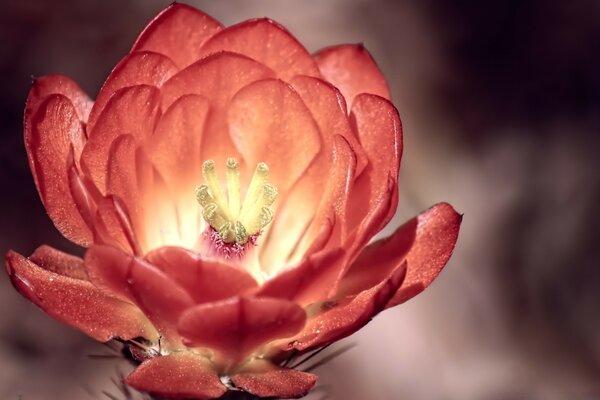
(236, 222)
(233, 187)
(208, 171)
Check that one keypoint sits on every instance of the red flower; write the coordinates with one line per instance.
(217, 294)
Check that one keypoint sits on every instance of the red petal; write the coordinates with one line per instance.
(160, 297)
(237, 326)
(379, 129)
(425, 242)
(205, 280)
(263, 379)
(269, 123)
(121, 177)
(134, 69)
(49, 137)
(58, 262)
(175, 150)
(216, 78)
(297, 210)
(76, 302)
(343, 317)
(108, 269)
(328, 107)
(180, 375)
(178, 32)
(175, 146)
(48, 85)
(269, 43)
(308, 282)
(113, 226)
(352, 70)
(130, 111)
(332, 212)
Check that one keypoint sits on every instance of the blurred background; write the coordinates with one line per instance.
(500, 102)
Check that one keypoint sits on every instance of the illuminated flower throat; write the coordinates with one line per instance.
(234, 224)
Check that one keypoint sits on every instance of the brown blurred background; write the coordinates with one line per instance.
(500, 102)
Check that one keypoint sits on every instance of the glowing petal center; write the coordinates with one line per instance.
(236, 222)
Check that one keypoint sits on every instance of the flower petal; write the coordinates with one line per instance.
(178, 32)
(49, 137)
(179, 375)
(267, 42)
(205, 280)
(237, 326)
(48, 85)
(113, 226)
(307, 282)
(379, 129)
(161, 298)
(343, 317)
(352, 70)
(263, 379)
(130, 111)
(425, 242)
(269, 123)
(128, 277)
(108, 269)
(329, 109)
(216, 78)
(175, 150)
(298, 209)
(59, 262)
(76, 302)
(134, 69)
(331, 215)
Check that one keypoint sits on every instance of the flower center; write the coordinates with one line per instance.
(236, 222)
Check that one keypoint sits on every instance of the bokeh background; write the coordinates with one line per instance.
(500, 102)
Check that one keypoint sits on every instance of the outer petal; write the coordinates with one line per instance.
(205, 280)
(343, 317)
(58, 262)
(161, 298)
(425, 243)
(352, 70)
(134, 69)
(108, 269)
(237, 326)
(76, 302)
(270, 123)
(379, 129)
(48, 85)
(181, 375)
(49, 137)
(266, 41)
(307, 282)
(178, 32)
(130, 111)
(216, 78)
(263, 379)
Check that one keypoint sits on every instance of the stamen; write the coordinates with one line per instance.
(233, 187)
(258, 180)
(258, 216)
(232, 222)
(208, 171)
